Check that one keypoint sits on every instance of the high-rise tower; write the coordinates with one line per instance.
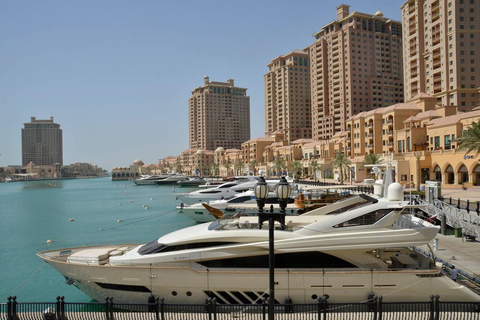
(441, 42)
(218, 116)
(287, 96)
(356, 65)
(42, 142)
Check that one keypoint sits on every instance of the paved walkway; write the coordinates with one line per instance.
(465, 255)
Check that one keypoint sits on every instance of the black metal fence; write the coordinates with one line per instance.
(157, 309)
(469, 206)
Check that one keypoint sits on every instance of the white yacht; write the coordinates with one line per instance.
(149, 179)
(198, 212)
(172, 179)
(223, 191)
(348, 250)
(8, 179)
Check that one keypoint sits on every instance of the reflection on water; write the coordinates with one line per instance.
(42, 185)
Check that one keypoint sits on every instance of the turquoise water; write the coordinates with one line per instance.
(33, 212)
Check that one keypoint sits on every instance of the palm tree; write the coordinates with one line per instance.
(179, 168)
(470, 139)
(239, 166)
(214, 168)
(418, 155)
(296, 167)
(227, 166)
(341, 162)
(313, 166)
(253, 166)
(372, 158)
(278, 165)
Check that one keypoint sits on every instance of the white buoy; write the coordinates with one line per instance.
(119, 204)
(131, 201)
(146, 207)
(71, 219)
(151, 198)
(100, 229)
(49, 241)
(119, 220)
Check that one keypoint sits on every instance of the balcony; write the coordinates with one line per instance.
(389, 133)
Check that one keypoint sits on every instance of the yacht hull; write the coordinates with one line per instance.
(192, 283)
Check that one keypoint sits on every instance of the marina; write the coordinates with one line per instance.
(88, 211)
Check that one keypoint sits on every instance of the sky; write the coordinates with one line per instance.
(117, 74)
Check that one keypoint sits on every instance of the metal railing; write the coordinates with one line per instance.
(156, 309)
(460, 215)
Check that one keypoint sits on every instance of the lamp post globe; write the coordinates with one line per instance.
(261, 193)
(283, 193)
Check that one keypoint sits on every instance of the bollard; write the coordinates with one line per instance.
(468, 205)
(288, 305)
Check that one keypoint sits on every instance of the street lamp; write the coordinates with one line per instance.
(283, 193)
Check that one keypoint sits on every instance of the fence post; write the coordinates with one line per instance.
(319, 308)
(325, 305)
(162, 308)
(478, 208)
(380, 308)
(214, 308)
(208, 306)
(373, 307)
(450, 201)
(107, 307)
(437, 307)
(157, 302)
(264, 308)
(458, 203)
(468, 205)
(14, 308)
(60, 307)
(9, 308)
(432, 307)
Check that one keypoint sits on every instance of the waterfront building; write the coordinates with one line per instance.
(128, 173)
(440, 44)
(42, 143)
(419, 132)
(80, 169)
(218, 115)
(287, 96)
(355, 66)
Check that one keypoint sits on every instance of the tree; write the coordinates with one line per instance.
(238, 167)
(372, 158)
(341, 162)
(227, 165)
(214, 168)
(278, 165)
(253, 166)
(297, 168)
(470, 139)
(418, 155)
(179, 168)
(313, 166)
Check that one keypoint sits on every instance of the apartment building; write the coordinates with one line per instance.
(218, 115)
(356, 66)
(441, 39)
(42, 142)
(287, 96)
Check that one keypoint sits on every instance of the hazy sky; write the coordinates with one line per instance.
(117, 75)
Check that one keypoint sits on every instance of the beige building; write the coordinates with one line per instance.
(218, 116)
(287, 96)
(440, 44)
(42, 143)
(356, 66)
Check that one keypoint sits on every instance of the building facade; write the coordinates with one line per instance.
(440, 44)
(218, 116)
(42, 143)
(356, 66)
(287, 96)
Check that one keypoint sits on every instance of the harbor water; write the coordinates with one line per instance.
(73, 213)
